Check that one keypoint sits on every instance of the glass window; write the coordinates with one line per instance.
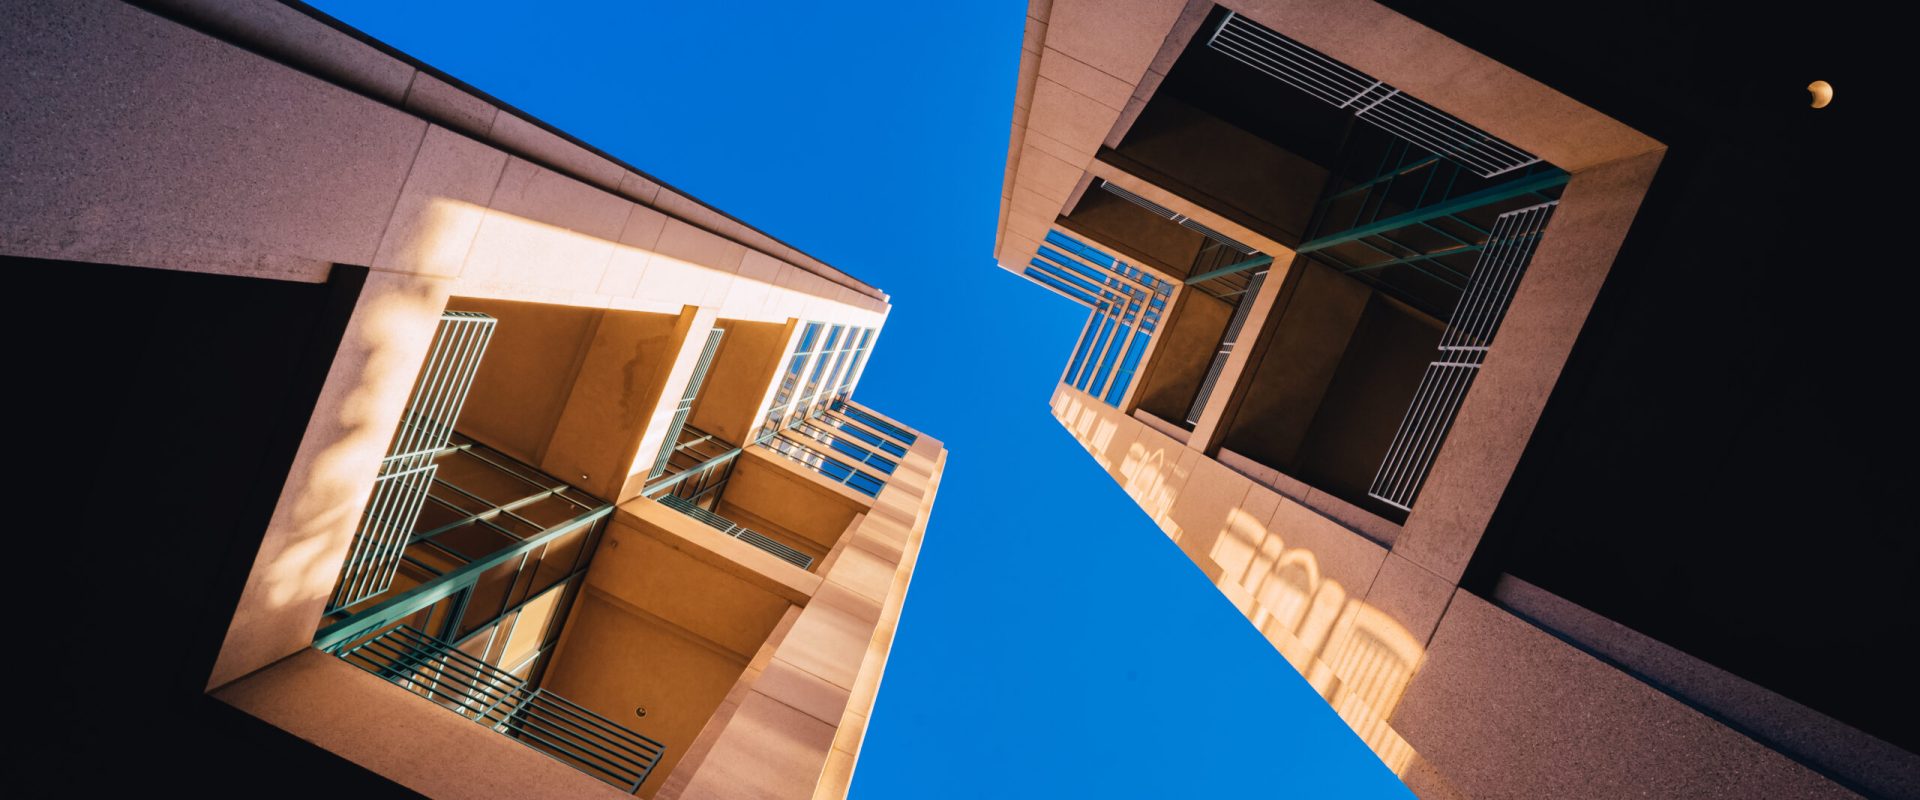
(1094, 353)
(840, 445)
(1107, 359)
(1079, 248)
(864, 435)
(1056, 283)
(835, 469)
(874, 422)
(1128, 365)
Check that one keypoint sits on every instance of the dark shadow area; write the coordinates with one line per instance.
(164, 410)
(1329, 382)
(1137, 234)
(1260, 150)
(1181, 359)
(1725, 463)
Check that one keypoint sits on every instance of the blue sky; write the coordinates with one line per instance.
(1054, 643)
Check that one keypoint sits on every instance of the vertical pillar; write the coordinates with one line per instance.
(1208, 430)
(623, 399)
(333, 472)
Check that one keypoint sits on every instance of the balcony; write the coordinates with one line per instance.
(735, 530)
(539, 718)
(693, 480)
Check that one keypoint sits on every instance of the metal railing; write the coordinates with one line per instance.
(1463, 346)
(1372, 100)
(408, 469)
(706, 476)
(685, 408)
(731, 528)
(538, 718)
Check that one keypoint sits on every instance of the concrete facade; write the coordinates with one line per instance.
(262, 142)
(1463, 685)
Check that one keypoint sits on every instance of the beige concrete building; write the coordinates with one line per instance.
(476, 463)
(1340, 259)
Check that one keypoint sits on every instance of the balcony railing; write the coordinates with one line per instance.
(538, 718)
(408, 470)
(735, 530)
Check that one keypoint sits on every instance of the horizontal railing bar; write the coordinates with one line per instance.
(1449, 207)
(1239, 266)
(706, 466)
(446, 586)
(540, 719)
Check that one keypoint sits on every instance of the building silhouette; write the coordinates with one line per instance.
(1491, 360)
(413, 446)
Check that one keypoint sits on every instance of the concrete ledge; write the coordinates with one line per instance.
(1796, 730)
(1348, 515)
(1162, 426)
(711, 547)
(1505, 710)
(400, 735)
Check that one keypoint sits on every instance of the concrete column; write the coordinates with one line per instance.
(734, 398)
(333, 472)
(1497, 416)
(1208, 430)
(796, 732)
(617, 413)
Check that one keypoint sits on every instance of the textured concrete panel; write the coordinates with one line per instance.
(441, 206)
(1067, 71)
(863, 572)
(1876, 767)
(150, 144)
(690, 244)
(1118, 37)
(803, 691)
(769, 750)
(639, 188)
(539, 194)
(1204, 509)
(1504, 710)
(547, 230)
(450, 105)
(1341, 554)
(1413, 596)
(524, 138)
(1046, 175)
(830, 636)
(1073, 120)
(284, 34)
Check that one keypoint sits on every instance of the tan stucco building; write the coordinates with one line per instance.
(477, 463)
(1339, 268)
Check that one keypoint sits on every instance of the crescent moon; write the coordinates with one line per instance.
(1822, 93)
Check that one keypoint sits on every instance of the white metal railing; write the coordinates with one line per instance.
(408, 470)
(1463, 346)
(1372, 100)
(687, 398)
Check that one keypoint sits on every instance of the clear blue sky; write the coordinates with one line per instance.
(1055, 643)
